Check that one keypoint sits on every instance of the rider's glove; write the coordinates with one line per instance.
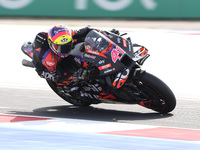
(94, 73)
(47, 75)
(91, 73)
(115, 31)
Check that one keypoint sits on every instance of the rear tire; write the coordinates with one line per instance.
(160, 97)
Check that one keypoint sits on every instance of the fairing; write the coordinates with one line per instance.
(108, 52)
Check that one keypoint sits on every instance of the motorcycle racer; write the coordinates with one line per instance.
(51, 53)
(51, 48)
(119, 79)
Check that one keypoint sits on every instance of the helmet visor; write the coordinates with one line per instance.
(62, 50)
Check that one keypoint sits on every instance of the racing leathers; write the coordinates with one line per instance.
(50, 66)
(60, 70)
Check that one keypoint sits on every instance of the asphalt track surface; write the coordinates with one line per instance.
(45, 103)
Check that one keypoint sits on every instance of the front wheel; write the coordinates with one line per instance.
(154, 94)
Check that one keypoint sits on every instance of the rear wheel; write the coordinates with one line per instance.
(66, 97)
(154, 94)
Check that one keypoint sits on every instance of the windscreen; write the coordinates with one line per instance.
(96, 41)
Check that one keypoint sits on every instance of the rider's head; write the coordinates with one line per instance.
(60, 40)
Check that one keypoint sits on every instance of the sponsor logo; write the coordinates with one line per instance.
(77, 60)
(50, 63)
(93, 52)
(90, 56)
(107, 71)
(124, 43)
(115, 5)
(64, 40)
(119, 40)
(59, 30)
(104, 67)
(40, 37)
(101, 62)
(15, 4)
(121, 78)
(129, 45)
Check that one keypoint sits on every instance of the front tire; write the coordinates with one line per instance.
(155, 94)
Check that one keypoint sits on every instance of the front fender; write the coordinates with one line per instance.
(137, 74)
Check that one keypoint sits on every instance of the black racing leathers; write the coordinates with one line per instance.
(46, 61)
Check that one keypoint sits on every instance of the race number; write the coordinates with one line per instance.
(117, 54)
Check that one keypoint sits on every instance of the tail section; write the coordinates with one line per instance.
(27, 49)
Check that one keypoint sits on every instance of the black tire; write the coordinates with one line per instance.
(69, 99)
(160, 96)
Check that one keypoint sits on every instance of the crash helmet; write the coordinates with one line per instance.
(60, 40)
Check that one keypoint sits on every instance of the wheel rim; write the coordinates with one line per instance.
(149, 97)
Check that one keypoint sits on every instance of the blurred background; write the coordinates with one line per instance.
(146, 9)
(137, 13)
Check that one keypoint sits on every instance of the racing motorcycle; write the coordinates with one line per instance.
(120, 79)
